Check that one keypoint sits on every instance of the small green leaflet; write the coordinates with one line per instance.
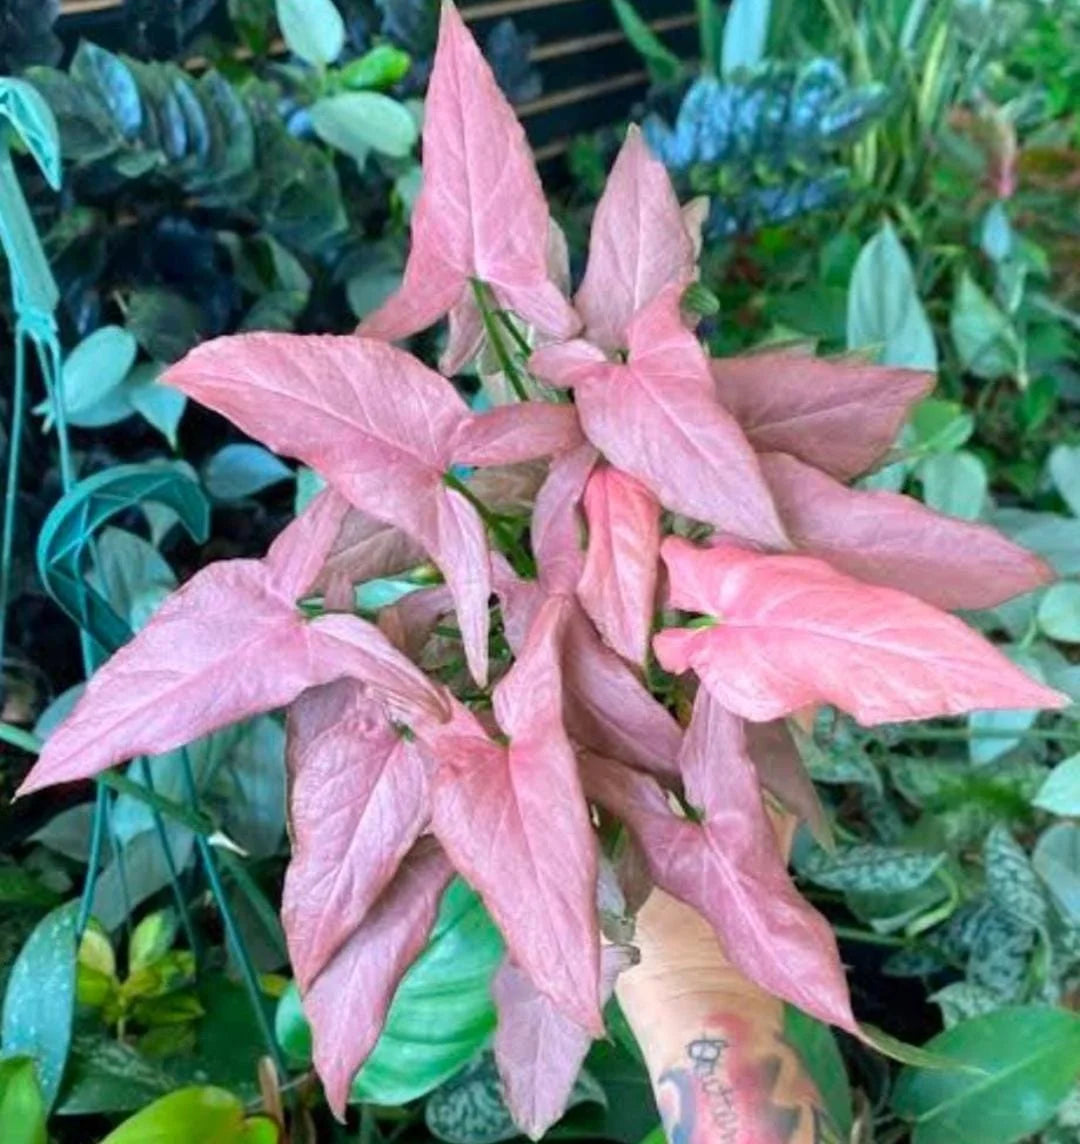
(22, 1109)
(1060, 794)
(985, 340)
(313, 30)
(1011, 881)
(955, 484)
(746, 29)
(1064, 466)
(239, 471)
(1059, 612)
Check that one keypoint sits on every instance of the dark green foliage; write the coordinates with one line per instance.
(26, 34)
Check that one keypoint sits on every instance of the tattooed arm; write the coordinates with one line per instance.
(714, 1043)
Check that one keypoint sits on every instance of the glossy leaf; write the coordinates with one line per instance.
(358, 122)
(1060, 794)
(313, 29)
(242, 470)
(746, 28)
(209, 1115)
(22, 1108)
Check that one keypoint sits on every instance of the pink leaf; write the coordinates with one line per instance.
(841, 416)
(366, 549)
(358, 800)
(465, 337)
(557, 527)
(893, 540)
(657, 418)
(539, 1051)
(514, 822)
(229, 644)
(791, 631)
(481, 211)
(730, 870)
(567, 363)
(639, 244)
(784, 775)
(348, 1001)
(509, 434)
(408, 624)
(618, 583)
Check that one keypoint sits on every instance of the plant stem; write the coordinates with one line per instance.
(497, 526)
(17, 737)
(18, 409)
(97, 839)
(963, 734)
(506, 362)
(868, 937)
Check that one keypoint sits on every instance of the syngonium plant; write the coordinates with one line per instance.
(710, 494)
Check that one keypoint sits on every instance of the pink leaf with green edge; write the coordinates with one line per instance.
(539, 1051)
(618, 583)
(639, 244)
(791, 631)
(229, 644)
(840, 416)
(557, 527)
(481, 213)
(657, 418)
(347, 1003)
(893, 540)
(513, 820)
(509, 434)
(358, 801)
(783, 773)
(730, 870)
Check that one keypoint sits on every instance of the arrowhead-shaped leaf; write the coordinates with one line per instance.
(840, 416)
(791, 631)
(481, 213)
(893, 540)
(358, 800)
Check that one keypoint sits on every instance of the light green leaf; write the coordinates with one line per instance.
(1056, 859)
(131, 574)
(982, 334)
(39, 1005)
(22, 1109)
(746, 30)
(1011, 881)
(664, 66)
(940, 426)
(1055, 538)
(357, 122)
(163, 322)
(1028, 1060)
(239, 471)
(869, 868)
(884, 308)
(1064, 468)
(1059, 612)
(963, 1000)
(955, 483)
(1060, 794)
(29, 113)
(313, 30)
(152, 938)
(997, 237)
(159, 405)
(1008, 726)
(203, 1114)
(382, 66)
(92, 375)
(308, 486)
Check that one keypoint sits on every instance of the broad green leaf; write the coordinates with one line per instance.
(745, 31)
(313, 30)
(999, 732)
(1028, 1060)
(940, 426)
(955, 484)
(870, 869)
(1059, 612)
(358, 122)
(92, 375)
(441, 1015)
(1060, 794)
(1056, 859)
(1055, 538)
(159, 405)
(112, 80)
(199, 1114)
(1064, 468)
(39, 1004)
(1011, 881)
(131, 574)
(163, 322)
(22, 1108)
(20, 888)
(816, 1045)
(884, 310)
(29, 113)
(664, 66)
(106, 1075)
(983, 336)
(382, 66)
(239, 471)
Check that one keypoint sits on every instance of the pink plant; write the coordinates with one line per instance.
(804, 591)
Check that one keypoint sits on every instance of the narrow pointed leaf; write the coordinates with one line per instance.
(791, 632)
(557, 526)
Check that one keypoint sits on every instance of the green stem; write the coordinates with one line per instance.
(523, 346)
(850, 933)
(18, 411)
(963, 734)
(506, 362)
(495, 524)
(194, 821)
(17, 737)
(257, 900)
(93, 862)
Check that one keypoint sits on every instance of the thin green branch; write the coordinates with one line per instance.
(502, 354)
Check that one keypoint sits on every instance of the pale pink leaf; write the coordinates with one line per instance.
(557, 527)
(840, 416)
(465, 335)
(618, 582)
(300, 551)
(347, 1003)
(514, 822)
(791, 631)
(783, 773)
(508, 488)
(639, 244)
(358, 800)
(893, 540)
(539, 1051)
(657, 418)
(481, 212)
(508, 434)
(567, 363)
(730, 870)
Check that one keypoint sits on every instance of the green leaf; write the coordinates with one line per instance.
(29, 113)
(1060, 794)
(1029, 1060)
(106, 1075)
(1056, 860)
(159, 405)
(152, 939)
(963, 1000)
(955, 484)
(20, 888)
(239, 471)
(203, 1114)
(1011, 881)
(1059, 612)
(1064, 468)
(1008, 725)
(816, 1045)
(746, 30)
(165, 323)
(940, 426)
(870, 869)
(39, 1005)
(358, 122)
(131, 574)
(982, 334)
(313, 30)
(441, 1015)
(884, 308)
(382, 66)
(22, 1108)
(111, 79)
(92, 373)
(664, 66)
